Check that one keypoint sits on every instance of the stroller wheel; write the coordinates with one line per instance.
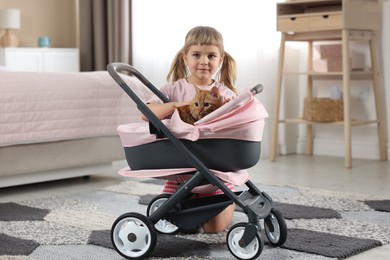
(163, 226)
(275, 228)
(133, 236)
(251, 251)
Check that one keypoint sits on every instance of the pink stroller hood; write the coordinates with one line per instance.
(241, 118)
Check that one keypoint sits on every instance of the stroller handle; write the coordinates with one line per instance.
(115, 67)
(257, 89)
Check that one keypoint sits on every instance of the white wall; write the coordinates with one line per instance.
(249, 30)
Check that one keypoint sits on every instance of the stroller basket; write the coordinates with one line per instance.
(219, 154)
(223, 143)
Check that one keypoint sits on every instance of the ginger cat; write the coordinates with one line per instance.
(202, 104)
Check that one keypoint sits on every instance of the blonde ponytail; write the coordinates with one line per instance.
(227, 75)
(178, 67)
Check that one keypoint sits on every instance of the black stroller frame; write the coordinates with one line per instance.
(243, 239)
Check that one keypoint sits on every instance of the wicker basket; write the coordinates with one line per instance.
(323, 110)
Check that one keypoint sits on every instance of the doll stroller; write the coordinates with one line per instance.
(203, 157)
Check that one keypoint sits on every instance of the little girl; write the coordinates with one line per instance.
(196, 64)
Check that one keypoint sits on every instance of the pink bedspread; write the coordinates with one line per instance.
(41, 107)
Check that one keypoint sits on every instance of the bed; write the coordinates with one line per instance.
(60, 125)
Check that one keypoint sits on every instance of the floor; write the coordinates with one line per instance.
(319, 172)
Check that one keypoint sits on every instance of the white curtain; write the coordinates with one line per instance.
(248, 28)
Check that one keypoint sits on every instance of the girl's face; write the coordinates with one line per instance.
(203, 62)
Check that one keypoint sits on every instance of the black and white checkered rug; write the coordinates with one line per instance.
(322, 225)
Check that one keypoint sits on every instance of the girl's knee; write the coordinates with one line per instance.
(220, 222)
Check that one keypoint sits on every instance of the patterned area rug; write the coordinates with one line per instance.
(322, 225)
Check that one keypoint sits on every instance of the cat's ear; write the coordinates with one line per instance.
(214, 92)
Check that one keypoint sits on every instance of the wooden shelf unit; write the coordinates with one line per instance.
(330, 20)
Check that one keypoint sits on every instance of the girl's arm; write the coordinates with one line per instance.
(163, 110)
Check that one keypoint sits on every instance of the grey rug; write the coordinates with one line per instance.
(379, 205)
(322, 225)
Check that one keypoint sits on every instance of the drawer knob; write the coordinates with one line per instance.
(325, 16)
(293, 18)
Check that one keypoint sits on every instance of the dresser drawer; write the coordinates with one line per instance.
(321, 15)
(302, 23)
(292, 24)
(326, 21)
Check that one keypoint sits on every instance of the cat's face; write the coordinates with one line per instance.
(205, 102)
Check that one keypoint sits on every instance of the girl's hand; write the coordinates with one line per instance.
(180, 104)
(164, 110)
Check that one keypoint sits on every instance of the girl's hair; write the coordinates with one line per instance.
(203, 35)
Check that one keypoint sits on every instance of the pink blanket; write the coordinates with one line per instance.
(42, 107)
